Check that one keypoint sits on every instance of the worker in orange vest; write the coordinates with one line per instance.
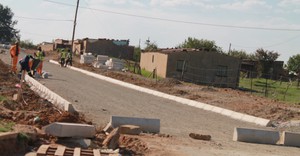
(14, 53)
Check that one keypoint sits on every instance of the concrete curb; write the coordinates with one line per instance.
(145, 124)
(291, 139)
(61, 129)
(256, 136)
(219, 110)
(46, 93)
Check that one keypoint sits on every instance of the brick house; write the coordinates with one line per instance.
(112, 48)
(61, 43)
(46, 46)
(192, 65)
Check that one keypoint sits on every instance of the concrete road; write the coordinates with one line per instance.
(98, 100)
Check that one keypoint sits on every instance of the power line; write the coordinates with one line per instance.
(178, 21)
(44, 19)
(268, 46)
(37, 34)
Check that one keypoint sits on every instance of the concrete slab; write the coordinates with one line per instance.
(256, 136)
(60, 129)
(146, 124)
(291, 139)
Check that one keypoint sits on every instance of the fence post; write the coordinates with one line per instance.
(251, 82)
(266, 90)
(182, 72)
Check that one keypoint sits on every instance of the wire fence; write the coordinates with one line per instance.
(271, 85)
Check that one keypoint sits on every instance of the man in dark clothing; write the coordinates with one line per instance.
(25, 66)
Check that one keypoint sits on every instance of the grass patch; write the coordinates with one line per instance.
(6, 127)
(2, 98)
(283, 91)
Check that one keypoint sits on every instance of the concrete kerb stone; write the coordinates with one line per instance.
(51, 96)
(60, 129)
(237, 115)
(229, 113)
(217, 110)
(248, 118)
(262, 122)
(146, 124)
(291, 139)
(256, 136)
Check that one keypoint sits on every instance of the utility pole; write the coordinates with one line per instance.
(74, 26)
(229, 48)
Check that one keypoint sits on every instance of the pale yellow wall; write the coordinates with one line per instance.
(160, 62)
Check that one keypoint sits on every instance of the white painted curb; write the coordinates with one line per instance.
(46, 93)
(219, 110)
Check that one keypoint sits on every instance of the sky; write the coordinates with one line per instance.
(245, 24)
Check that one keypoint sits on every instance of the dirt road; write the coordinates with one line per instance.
(98, 100)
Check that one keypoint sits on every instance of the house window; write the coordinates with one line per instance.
(180, 64)
(152, 58)
(222, 71)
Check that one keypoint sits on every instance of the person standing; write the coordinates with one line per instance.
(14, 53)
(63, 56)
(69, 58)
(40, 55)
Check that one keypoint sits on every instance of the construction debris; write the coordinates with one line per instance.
(53, 150)
(112, 140)
(200, 136)
(87, 58)
(146, 124)
(60, 129)
(130, 129)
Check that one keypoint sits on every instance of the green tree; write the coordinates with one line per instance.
(151, 46)
(293, 64)
(7, 30)
(200, 44)
(240, 54)
(27, 44)
(137, 54)
(266, 59)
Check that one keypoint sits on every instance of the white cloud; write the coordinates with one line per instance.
(246, 5)
(287, 3)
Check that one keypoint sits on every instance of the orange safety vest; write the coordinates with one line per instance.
(13, 51)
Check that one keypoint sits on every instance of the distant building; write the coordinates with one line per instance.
(47, 46)
(60, 43)
(251, 68)
(192, 65)
(112, 48)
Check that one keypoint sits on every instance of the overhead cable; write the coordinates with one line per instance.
(44, 19)
(178, 21)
